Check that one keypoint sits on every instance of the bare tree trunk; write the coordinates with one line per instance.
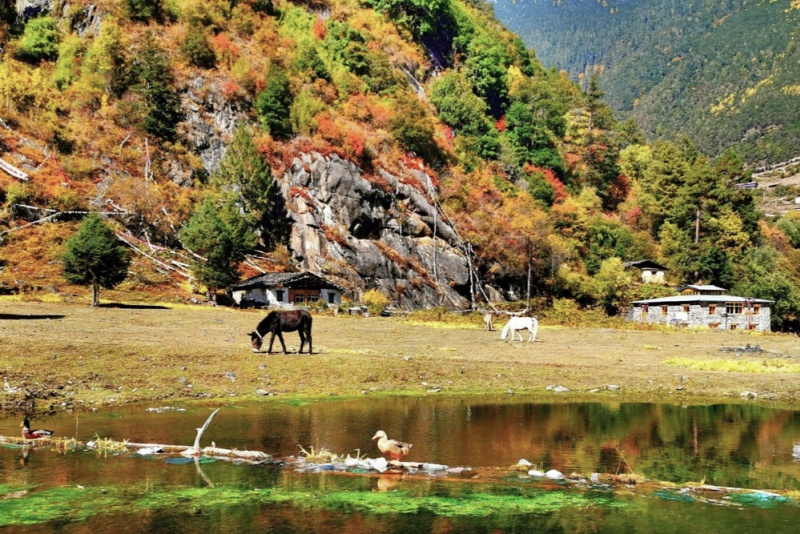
(528, 306)
(95, 293)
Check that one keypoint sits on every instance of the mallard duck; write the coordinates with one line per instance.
(392, 447)
(27, 433)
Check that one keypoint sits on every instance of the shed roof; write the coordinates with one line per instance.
(303, 279)
(644, 264)
(701, 287)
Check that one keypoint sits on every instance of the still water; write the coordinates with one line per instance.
(739, 445)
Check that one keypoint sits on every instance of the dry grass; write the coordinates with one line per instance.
(738, 365)
(72, 356)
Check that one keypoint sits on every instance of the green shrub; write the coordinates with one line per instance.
(197, 50)
(39, 41)
(274, 104)
(66, 66)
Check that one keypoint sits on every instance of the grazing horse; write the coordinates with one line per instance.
(515, 324)
(282, 321)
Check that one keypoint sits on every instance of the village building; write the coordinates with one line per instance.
(652, 272)
(704, 306)
(286, 290)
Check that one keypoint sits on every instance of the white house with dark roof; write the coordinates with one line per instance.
(286, 290)
(704, 305)
(652, 272)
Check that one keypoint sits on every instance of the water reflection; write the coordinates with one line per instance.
(732, 445)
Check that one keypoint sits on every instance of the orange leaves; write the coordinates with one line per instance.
(327, 128)
(559, 189)
(319, 28)
(351, 136)
(231, 90)
(227, 50)
(355, 141)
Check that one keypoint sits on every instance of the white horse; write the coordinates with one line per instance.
(515, 324)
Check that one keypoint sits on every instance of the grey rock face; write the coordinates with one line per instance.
(377, 234)
(27, 9)
(209, 120)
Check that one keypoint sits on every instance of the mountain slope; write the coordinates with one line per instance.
(722, 73)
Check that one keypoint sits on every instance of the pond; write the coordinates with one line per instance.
(739, 445)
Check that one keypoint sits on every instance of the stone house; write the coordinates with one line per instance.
(652, 272)
(286, 290)
(704, 306)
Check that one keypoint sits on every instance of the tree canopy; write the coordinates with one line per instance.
(95, 257)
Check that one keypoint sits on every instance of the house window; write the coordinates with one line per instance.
(733, 308)
(331, 298)
(685, 308)
(299, 299)
(712, 309)
(645, 309)
(279, 295)
(313, 298)
(663, 311)
(756, 309)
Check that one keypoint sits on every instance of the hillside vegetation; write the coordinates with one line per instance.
(723, 73)
(185, 119)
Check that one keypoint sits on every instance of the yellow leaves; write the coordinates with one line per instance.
(723, 104)
(515, 79)
(793, 90)
(729, 102)
(23, 89)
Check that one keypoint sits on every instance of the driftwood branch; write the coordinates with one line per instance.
(195, 451)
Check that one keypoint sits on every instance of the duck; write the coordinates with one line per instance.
(392, 447)
(27, 433)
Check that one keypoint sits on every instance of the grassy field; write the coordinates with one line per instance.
(60, 356)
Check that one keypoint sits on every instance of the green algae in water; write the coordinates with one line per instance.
(76, 504)
(469, 505)
(56, 504)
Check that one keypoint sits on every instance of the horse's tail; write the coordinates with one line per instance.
(504, 333)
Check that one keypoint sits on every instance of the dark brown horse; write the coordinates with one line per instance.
(282, 321)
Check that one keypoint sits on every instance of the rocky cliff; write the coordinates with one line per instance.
(384, 232)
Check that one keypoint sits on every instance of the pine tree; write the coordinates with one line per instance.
(222, 238)
(274, 104)
(246, 179)
(155, 80)
(95, 257)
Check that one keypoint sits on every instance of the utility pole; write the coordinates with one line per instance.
(697, 227)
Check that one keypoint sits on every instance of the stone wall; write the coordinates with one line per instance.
(699, 316)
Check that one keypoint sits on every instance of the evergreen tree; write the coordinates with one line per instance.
(39, 40)
(144, 10)
(222, 238)
(155, 81)
(95, 257)
(246, 180)
(274, 105)
(196, 48)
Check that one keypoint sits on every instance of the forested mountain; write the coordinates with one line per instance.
(413, 149)
(722, 72)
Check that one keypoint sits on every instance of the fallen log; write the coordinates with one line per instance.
(108, 445)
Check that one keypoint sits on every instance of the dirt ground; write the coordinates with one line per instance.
(62, 356)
